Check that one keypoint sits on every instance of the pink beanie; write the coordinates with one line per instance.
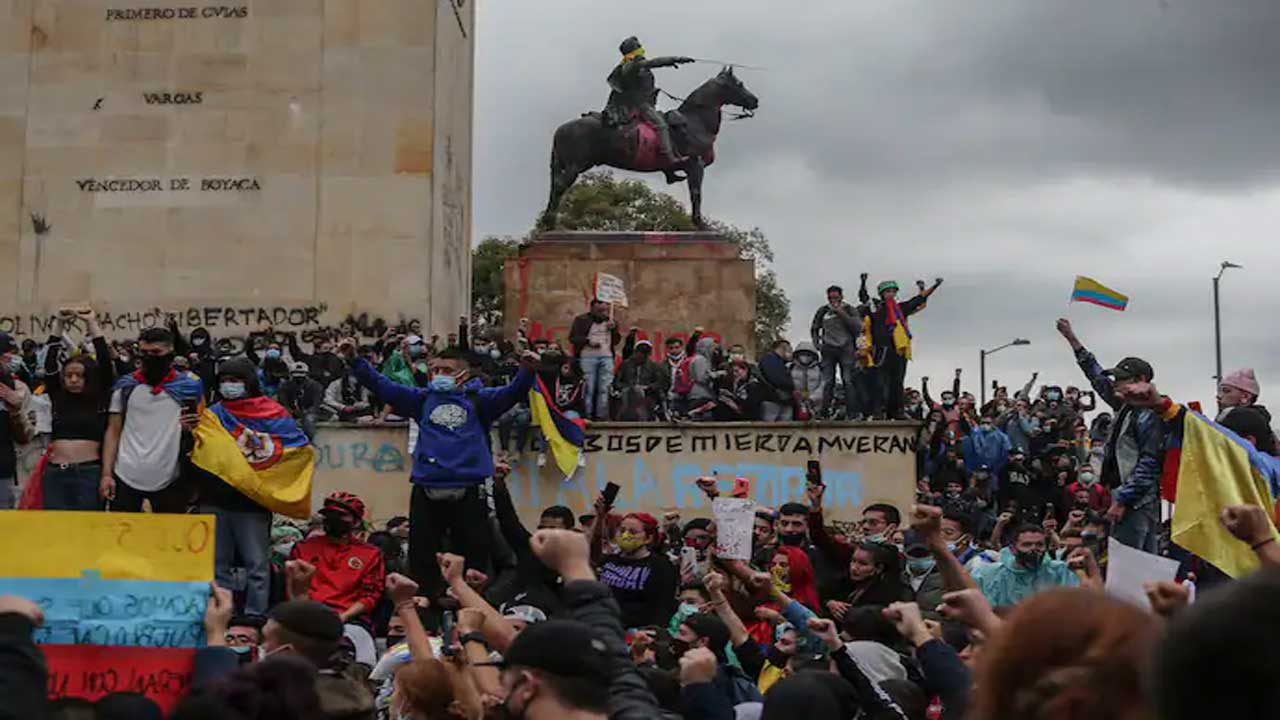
(1243, 379)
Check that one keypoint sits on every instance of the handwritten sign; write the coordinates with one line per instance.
(165, 676)
(734, 520)
(611, 289)
(117, 546)
(1129, 569)
(135, 613)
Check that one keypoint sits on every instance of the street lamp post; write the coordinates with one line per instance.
(1217, 320)
(982, 366)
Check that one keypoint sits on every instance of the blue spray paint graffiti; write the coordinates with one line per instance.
(386, 458)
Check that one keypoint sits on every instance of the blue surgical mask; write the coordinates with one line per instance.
(443, 383)
(495, 353)
(273, 354)
(687, 609)
(877, 538)
(416, 351)
(15, 363)
(231, 390)
(920, 565)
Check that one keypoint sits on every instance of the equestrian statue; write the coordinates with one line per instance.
(631, 134)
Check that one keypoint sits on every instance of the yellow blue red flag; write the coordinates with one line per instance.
(256, 447)
(564, 435)
(1091, 291)
(1213, 468)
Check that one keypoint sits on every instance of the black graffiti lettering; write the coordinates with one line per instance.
(703, 443)
(742, 442)
(828, 442)
(879, 443)
(764, 442)
(803, 445)
(614, 443)
(652, 442)
(632, 444)
(864, 444)
(675, 444)
(591, 443)
(312, 316)
(784, 441)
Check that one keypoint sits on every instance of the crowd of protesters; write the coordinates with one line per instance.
(983, 600)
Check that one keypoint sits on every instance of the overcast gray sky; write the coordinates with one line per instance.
(1004, 145)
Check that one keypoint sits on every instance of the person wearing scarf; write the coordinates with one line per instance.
(891, 339)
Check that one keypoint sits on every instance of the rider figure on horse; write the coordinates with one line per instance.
(633, 90)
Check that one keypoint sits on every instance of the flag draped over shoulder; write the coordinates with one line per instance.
(564, 435)
(256, 448)
(1215, 468)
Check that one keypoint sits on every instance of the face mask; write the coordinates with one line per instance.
(948, 402)
(919, 566)
(952, 547)
(781, 579)
(792, 539)
(231, 390)
(1052, 397)
(336, 526)
(15, 363)
(679, 647)
(394, 640)
(273, 354)
(155, 367)
(736, 357)
(627, 542)
(675, 356)
(443, 383)
(986, 426)
(282, 549)
(877, 538)
(1088, 479)
(687, 609)
(264, 654)
(1030, 559)
(495, 353)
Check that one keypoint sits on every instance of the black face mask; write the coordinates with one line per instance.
(791, 539)
(336, 526)
(1030, 559)
(155, 367)
(394, 640)
(679, 647)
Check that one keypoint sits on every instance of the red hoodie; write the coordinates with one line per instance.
(347, 572)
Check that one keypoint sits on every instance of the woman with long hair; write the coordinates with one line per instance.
(875, 576)
(428, 689)
(79, 390)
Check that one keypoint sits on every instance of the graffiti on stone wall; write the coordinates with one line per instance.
(355, 454)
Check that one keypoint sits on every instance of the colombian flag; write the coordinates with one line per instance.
(256, 448)
(563, 434)
(1091, 291)
(1215, 468)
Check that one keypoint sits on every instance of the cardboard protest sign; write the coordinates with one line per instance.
(123, 595)
(611, 289)
(734, 520)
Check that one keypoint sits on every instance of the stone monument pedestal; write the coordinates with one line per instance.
(675, 281)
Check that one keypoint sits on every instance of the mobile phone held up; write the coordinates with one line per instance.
(813, 473)
(610, 493)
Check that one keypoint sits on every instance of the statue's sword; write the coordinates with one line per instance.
(730, 64)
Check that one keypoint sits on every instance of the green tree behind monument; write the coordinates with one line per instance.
(601, 202)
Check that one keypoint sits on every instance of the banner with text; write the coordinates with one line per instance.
(123, 596)
(656, 465)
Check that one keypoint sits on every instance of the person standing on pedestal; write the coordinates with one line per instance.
(452, 457)
(595, 337)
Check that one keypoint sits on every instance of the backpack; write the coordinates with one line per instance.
(682, 378)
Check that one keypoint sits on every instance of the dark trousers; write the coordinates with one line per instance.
(457, 526)
(72, 487)
(893, 373)
(173, 499)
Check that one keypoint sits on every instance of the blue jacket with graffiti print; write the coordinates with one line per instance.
(453, 427)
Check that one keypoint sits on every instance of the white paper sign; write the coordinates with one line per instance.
(735, 518)
(611, 289)
(1129, 568)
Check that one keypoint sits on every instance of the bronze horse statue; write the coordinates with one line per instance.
(584, 143)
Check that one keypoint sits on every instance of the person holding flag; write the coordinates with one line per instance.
(1135, 447)
(452, 458)
(250, 458)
